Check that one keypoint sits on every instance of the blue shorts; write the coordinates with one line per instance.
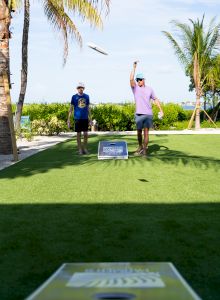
(143, 121)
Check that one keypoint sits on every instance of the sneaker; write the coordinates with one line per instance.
(144, 152)
(80, 152)
(138, 151)
(85, 151)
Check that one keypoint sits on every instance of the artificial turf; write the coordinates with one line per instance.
(58, 207)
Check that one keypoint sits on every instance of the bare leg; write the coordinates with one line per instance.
(85, 140)
(146, 140)
(139, 135)
(140, 147)
(79, 144)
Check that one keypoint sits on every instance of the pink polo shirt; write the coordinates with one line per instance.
(143, 96)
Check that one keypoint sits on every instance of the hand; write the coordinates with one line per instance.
(135, 64)
(161, 113)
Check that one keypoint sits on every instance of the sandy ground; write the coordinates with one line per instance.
(40, 143)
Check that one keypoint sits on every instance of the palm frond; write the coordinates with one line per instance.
(178, 51)
(13, 5)
(212, 42)
(85, 10)
(101, 5)
(61, 22)
(185, 35)
(89, 9)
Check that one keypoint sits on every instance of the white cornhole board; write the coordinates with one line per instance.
(95, 281)
(112, 150)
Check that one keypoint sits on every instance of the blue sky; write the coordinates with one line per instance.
(132, 31)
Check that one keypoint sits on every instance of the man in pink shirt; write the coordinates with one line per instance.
(143, 96)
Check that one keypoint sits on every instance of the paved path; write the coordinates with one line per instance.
(26, 148)
(40, 143)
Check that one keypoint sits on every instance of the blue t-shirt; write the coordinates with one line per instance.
(81, 106)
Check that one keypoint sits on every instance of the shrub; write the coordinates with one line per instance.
(46, 111)
(51, 127)
(114, 117)
(38, 127)
(170, 116)
(24, 133)
(207, 124)
(52, 117)
(56, 126)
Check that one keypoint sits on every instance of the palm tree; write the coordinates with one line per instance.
(55, 12)
(6, 7)
(195, 50)
(24, 69)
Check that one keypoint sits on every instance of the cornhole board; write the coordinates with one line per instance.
(112, 150)
(95, 281)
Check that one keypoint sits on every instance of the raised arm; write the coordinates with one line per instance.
(132, 81)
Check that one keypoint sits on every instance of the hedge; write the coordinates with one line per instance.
(110, 116)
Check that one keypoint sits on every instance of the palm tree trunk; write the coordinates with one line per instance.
(24, 70)
(197, 82)
(5, 135)
(214, 114)
(197, 119)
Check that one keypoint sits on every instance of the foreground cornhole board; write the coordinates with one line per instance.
(112, 150)
(138, 281)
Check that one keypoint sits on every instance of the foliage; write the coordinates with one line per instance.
(212, 82)
(172, 114)
(25, 133)
(51, 127)
(46, 111)
(207, 124)
(108, 116)
(114, 117)
(49, 119)
(195, 47)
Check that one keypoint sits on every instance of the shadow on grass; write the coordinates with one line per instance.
(174, 157)
(36, 239)
(66, 154)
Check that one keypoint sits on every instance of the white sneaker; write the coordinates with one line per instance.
(138, 151)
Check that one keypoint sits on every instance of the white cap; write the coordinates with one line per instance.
(80, 84)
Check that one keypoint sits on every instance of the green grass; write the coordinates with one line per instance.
(58, 207)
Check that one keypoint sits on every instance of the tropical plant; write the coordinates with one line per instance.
(56, 13)
(195, 51)
(212, 86)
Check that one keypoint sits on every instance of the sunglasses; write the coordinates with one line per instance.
(139, 79)
(80, 87)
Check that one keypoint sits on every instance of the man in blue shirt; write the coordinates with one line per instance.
(80, 105)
